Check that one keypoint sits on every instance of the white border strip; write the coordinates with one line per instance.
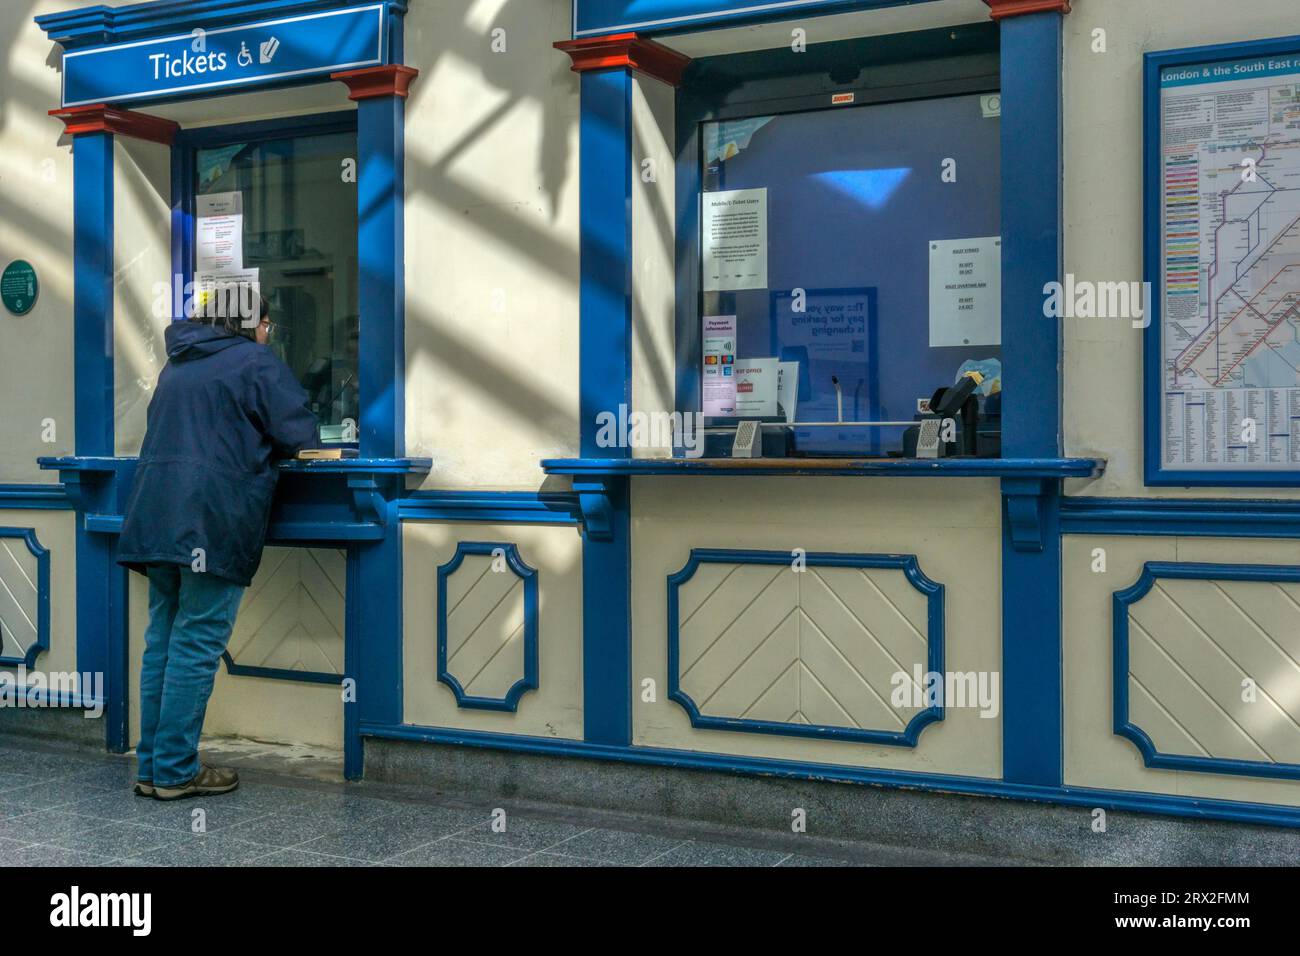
(720, 16)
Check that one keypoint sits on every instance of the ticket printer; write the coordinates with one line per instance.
(953, 425)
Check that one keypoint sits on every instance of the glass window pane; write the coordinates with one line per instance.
(300, 232)
(856, 198)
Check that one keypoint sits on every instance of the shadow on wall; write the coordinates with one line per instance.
(36, 225)
(492, 205)
(493, 64)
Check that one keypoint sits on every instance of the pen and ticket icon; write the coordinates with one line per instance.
(265, 52)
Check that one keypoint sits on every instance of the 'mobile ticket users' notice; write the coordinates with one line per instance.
(735, 240)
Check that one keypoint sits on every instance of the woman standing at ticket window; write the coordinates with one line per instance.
(225, 409)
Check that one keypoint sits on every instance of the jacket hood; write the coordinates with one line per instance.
(189, 341)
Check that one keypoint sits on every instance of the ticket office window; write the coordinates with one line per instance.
(836, 222)
(292, 195)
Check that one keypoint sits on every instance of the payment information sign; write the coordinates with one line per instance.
(251, 55)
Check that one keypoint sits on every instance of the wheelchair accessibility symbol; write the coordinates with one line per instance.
(245, 58)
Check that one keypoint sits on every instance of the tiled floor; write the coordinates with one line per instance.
(75, 809)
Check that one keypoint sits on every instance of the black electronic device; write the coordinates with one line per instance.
(960, 404)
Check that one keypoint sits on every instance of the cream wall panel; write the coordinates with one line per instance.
(20, 618)
(555, 553)
(1192, 644)
(276, 711)
(952, 526)
(272, 711)
(142, 262)
(292, 616)
(1196, 640)
(1103, 210)
(56, 532)
(36, 225)
(762, 642)
(654, 235)
(491, 242)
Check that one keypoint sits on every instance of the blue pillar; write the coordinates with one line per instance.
(373, 647)
(380, 250)
(101, 585)
(1031, 354)
(605, 250)
(605, 383)
(92, 295)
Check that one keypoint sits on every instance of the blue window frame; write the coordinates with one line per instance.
(1158, 265)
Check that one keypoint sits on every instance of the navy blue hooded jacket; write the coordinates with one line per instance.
(225, 409)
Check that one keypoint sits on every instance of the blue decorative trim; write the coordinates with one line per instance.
(101, 24)
(498, 507)
(60, 700)
(596, 497)
(1024, 513)
(306, 514)
(277, 673)
(34, 498)
(596, 17)
(1230, 518)
(529, 680)
(280, 532)
(356, 660)
(906, 563)
(1155, 472)
(42, 556)
(86, 464)
(831, 467)
(1111, 800)
(1124, 726)
(364, 467)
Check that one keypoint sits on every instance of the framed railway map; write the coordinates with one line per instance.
(1223, 259)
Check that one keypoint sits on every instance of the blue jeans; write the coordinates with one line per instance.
(191, 616)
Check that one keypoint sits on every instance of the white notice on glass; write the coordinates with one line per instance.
(966, 292)
(734, 240)
(719, 366)
(219, 232)
(230, 293)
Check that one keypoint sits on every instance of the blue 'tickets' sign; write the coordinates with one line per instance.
(251, 55)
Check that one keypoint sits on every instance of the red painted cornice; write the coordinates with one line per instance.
(376, 81)
(1001, 9)
(627, 51)
(102, 118)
